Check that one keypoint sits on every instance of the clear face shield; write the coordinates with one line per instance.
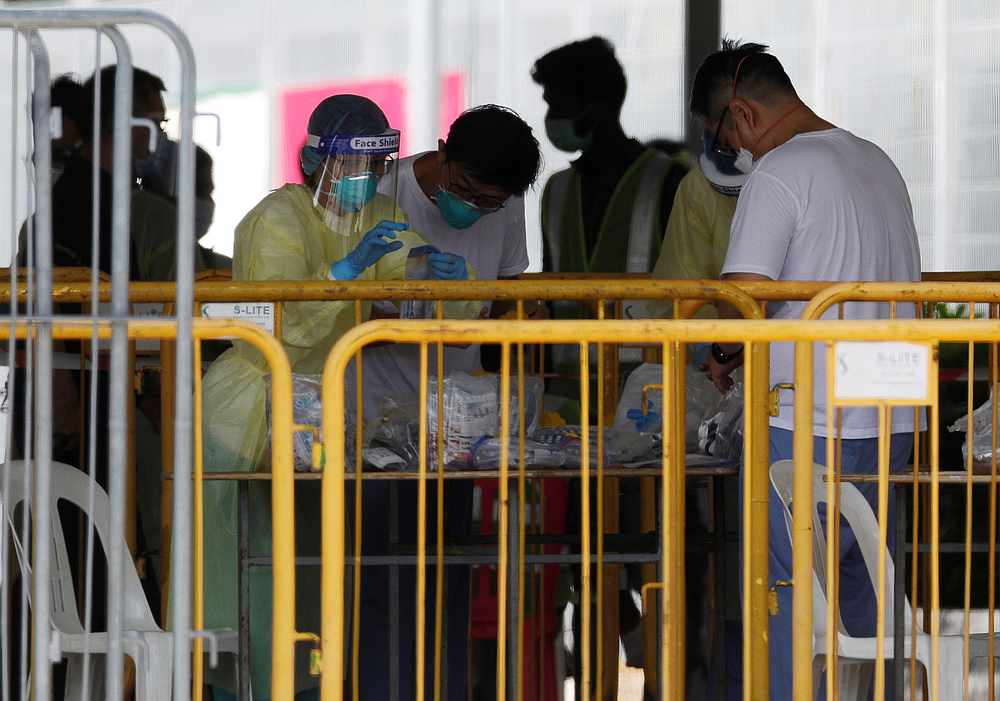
(356, 184)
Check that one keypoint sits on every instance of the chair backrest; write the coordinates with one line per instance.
(72, 485)
(856, 510)
(781, 479)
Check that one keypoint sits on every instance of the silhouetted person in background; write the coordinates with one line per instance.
(606, 212)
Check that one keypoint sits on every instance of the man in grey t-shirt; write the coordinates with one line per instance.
(819, 204)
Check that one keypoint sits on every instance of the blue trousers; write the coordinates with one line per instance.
(857, 597)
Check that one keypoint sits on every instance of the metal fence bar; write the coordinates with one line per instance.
(118, 391)
(6, 517)
(41, 618)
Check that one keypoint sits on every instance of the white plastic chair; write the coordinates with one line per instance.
(856, 655)
(149, 646)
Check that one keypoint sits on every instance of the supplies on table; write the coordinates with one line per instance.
(307, 410)
(561, 446)
(621, 447)
(471, 415)
(982, 432)
(485, 453)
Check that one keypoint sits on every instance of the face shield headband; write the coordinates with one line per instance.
(349, 192)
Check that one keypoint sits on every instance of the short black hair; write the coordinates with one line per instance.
(761, 77)
(145, 86)
(496, 147)
(71, 98)
(588, 68)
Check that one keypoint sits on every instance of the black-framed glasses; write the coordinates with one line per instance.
(483, 203)
(716, 147)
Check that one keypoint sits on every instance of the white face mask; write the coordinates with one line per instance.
(744, 161)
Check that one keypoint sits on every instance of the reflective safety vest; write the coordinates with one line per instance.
(630, 233)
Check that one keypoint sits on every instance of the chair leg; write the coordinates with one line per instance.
(819, 666)
(75, 682)
(154, 666)
(951, 679)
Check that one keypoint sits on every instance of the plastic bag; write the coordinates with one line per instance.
(417, 268)
(982, 432)
(307, 410)
(720, 434)
(471, 411)
(701, 400)
(621, 447)
(486, 454)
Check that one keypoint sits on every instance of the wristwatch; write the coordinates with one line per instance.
(723, 358)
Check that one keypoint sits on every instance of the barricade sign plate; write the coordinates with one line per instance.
(882, 371)
(258, 313)
(147, 310)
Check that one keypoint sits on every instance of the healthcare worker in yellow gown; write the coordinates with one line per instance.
(336, 227)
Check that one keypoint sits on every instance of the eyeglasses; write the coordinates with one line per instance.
(485, 204)
(716, 147)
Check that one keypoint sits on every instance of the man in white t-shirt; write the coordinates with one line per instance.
(465, 199)
(819, 204)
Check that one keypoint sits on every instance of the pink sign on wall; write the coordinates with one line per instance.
(390, 94)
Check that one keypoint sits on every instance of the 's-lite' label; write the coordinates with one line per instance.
(258, 313)
(889, 370)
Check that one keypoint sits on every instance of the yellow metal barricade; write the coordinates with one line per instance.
(517, 291)
(582, 333)
(955, 296)
(922, 334)
(281, 451)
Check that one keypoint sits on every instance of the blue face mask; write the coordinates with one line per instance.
(725, 164)
(353, 192)
(458, 213)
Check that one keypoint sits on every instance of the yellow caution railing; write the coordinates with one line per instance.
(281, 452)
(957, 297)
(922, 334)
(507, 334)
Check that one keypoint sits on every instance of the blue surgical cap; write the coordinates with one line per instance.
(341, 114)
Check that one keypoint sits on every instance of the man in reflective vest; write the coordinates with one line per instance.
(605, 213)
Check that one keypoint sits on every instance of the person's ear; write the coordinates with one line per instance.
(742, 114)
(744, 120)
(442, 152)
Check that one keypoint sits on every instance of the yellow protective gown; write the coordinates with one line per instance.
(282, 238)
(697, 238)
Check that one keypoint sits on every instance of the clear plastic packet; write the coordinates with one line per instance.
(621, 447)
(307, 410)
(982, 432)
(471, 411)
(486, 453)
(417, 268)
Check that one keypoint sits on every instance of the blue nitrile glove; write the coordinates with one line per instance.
(372, 247)
(448, 266)
(645, 423)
